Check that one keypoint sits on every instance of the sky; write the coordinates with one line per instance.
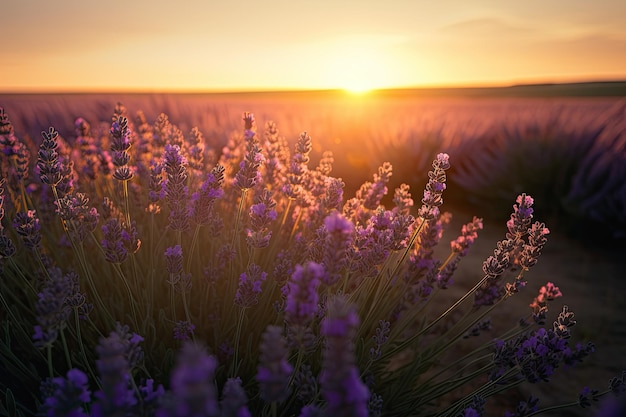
(244, 45)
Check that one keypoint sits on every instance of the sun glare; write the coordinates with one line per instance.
(357, 68)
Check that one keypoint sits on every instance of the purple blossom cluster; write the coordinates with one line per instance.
(434, 188)
(337, 242)
(68, 397)
(202, 201)
(116, 396)
(250, 286)
(183, 330)
(81, 220)
(48, 161)
(249, 175)
(51, 310)
(298, 168)
(174, 187)
(342, 388)
(274, 369)
(262, 214)
(7, 247)
(534, 356)
(193, 391)
(512, 253)
(118, 242)
(27, 225)
(120, 144)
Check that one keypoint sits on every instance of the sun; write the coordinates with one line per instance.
(357, 67)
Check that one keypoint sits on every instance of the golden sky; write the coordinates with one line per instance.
(142, 45)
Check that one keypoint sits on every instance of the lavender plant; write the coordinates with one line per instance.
(252, 287)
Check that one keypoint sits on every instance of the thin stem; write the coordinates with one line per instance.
(49, 356)
(131, 298)
(235, 367)
(81, 346)
(194, 241)
(187, 315)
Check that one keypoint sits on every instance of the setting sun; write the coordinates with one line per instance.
(357, 66)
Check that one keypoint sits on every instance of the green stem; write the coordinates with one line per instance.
(66, 351)
(81, 346)
(235, 367)
(187, 315)
(131, 298)
(49, 356)
(192, 248)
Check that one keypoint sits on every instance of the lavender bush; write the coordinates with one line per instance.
(144, 273)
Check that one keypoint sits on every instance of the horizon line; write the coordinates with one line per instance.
(234, 91)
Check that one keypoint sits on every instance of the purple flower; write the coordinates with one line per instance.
(311, 410)
(298, 168)
(277, 152)
(370, 193)
(381, 337)
(51, 309)
(69, 396)
(192, 383)
(536, 241)
(586, 396)
(174, 260)
(305, 384)
(80, 219)
(114, 242)
(202, 200)
(262, 214)
(521, 217)
(27, 225)
(196, 150)
(402, 199)
(249, 175)
(116, 396)
(302, 297)
(6, 128)
(250, 286)
(175, 190)
(618, 385)
(343, 390)
(469, 233)
(48, 161)
(435, 187)
(524, 408)
(274, 370)
(564, 321)
(7, 247)
(339, 231)
(183, 330)
(151, 396)
(234, 399)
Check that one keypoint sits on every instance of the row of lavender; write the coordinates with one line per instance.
(569, 153)
(147, 274)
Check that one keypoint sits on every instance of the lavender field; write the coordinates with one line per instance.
(319, 257)
(570, 152)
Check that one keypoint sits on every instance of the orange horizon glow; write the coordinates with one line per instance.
(354, 46)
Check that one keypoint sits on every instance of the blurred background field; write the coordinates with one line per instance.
(564, 144)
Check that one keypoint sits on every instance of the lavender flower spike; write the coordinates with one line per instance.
(69, 395)
(274, 369)
(435, 187)
(234, 399)
(302, 297)
(116, 396)
(193, 389)
(344, 392)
